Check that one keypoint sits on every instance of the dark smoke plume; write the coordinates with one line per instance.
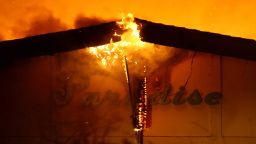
(42, 24)
(84, 21)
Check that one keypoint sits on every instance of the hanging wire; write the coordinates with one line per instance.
(191, 69)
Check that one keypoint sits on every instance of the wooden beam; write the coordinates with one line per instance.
(52, 43)
(196, 40)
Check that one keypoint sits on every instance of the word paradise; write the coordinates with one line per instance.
(159, 97)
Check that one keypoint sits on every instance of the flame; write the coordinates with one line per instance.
(111, 53)
(124, 51)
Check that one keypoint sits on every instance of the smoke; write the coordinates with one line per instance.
(178, 56)
(159, 61)
(74, 73)
(153, 57)
(45, 24)
(84, 21)
(41, 23)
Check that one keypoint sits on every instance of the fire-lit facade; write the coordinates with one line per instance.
(70, 98)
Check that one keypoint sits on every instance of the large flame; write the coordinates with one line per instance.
(130, 42)
(125, 51)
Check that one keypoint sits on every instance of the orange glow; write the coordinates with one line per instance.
(226, 17)
(130, 42)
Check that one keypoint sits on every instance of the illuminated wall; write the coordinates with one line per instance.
(65, 98)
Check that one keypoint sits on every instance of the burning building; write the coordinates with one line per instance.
(98, 84)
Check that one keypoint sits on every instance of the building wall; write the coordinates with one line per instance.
(63, 99)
